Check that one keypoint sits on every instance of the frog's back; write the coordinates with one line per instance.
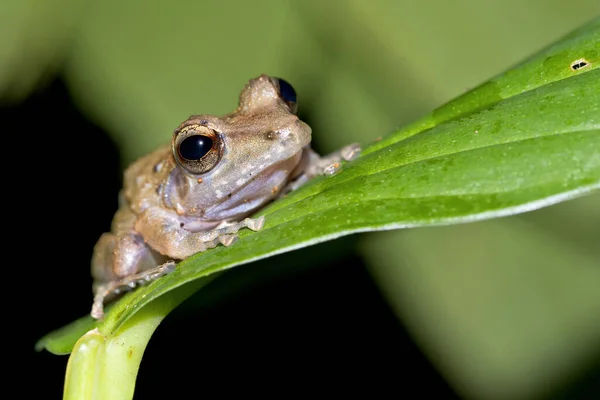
(142, 179)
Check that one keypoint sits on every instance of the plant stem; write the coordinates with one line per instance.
(105, 365)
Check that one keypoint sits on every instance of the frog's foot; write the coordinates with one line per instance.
(327, 165)
(330, 164)
(350, 152)
(227, 230)
(255, 224)
(105, 290)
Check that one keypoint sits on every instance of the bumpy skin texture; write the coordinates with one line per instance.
(172, 207)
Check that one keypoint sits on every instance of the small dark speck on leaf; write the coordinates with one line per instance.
(181, 224)
(578, 64)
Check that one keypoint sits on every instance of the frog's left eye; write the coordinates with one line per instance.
(288, 94)
(196, 148)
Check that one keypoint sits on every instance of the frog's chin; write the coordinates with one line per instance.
(255, 193)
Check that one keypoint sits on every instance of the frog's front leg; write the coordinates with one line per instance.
(312, 164)
(329, 164)
(164, 232)
(126, 259)
(122, 261)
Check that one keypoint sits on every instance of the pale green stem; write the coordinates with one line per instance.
(104, 366)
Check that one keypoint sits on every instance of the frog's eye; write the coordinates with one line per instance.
(196, 148)
(288, 94)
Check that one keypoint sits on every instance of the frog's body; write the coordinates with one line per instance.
(198, 192)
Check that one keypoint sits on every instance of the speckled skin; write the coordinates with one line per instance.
(171, 208)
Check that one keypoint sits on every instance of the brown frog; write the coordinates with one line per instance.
(199, 191)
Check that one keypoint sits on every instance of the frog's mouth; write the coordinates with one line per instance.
(255, 192)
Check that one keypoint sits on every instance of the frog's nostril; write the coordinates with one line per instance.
(271, 135)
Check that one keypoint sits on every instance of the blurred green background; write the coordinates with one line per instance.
(507, 308)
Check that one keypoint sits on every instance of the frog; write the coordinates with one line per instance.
(198, 191)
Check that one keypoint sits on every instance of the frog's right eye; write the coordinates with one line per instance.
(288, 94)
(196, 148)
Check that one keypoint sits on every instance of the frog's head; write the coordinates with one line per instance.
(231, 165)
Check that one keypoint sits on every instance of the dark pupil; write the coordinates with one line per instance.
(195, 147)
(288, 94)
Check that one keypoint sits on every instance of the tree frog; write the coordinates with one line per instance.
(201, 189)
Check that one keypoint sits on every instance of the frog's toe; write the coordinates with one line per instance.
(98, 310)
(255, 224)
(350, 152)
(228, 240)
(332, 168)
(110, 289)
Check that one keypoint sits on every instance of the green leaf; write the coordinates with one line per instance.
(547, 66)
(526, 139)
